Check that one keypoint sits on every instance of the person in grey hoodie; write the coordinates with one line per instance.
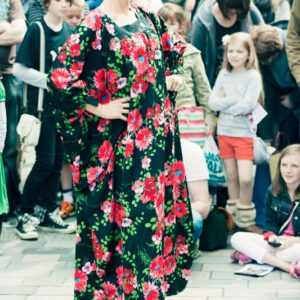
(215, 19)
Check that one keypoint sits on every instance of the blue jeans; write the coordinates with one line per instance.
(198, 225)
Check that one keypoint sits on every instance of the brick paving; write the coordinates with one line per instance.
(43, 270)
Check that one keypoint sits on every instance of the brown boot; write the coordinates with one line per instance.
(231, 207)
(245, 215)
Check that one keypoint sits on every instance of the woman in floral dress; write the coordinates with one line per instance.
(117, 121)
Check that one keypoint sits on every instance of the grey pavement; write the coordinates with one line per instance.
(43, 270)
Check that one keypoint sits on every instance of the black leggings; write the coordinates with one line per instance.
(42, 184)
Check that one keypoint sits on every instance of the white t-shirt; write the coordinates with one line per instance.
(194, 161)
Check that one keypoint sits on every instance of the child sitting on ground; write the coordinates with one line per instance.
(197, 180)
(279, 246)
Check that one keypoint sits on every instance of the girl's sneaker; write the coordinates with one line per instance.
(240, 258)
(295, 269)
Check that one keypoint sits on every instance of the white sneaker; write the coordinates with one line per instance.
(26, 227)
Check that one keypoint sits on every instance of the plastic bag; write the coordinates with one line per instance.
(216, 170)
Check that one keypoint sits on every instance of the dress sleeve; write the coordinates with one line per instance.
(68, 78)
(173, 46)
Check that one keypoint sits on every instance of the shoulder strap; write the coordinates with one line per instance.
(41, 68)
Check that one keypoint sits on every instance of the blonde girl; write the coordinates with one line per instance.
(236, 93)
(195, 89)
(75, 12)
(280, 244)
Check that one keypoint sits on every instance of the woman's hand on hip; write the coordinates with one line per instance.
(174, 82)
(116, 109)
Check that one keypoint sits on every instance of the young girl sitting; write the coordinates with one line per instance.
(235, 94)
(280, 244)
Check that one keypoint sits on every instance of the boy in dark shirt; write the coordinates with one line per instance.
(41, 186)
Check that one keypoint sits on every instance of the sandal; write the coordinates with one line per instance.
(240, 258)
(295, 269)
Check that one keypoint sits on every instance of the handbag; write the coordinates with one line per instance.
(192, 124)
(29, 126)
(262, 152)
(216, 170)
(215, 229)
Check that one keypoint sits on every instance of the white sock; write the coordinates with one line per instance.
(68, 196)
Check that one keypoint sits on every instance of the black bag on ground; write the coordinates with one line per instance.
(215, 230)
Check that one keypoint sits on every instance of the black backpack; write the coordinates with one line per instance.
(215, 230)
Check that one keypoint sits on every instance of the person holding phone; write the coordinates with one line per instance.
(279, 246)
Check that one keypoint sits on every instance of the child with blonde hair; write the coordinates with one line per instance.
(75, 12)
(280, 244)
(195, 89)
(236, 93)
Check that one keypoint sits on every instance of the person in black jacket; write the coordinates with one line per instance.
(279, 246)
(282, 95)
(215, 19)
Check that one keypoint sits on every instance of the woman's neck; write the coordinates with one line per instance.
(119, 7)
(54, 22)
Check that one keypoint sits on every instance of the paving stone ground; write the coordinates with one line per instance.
(43, 270)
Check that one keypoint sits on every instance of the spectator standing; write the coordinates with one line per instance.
(42, 184)
(293, 41)
(282, 220)
(236, 94)
(75, 12)
(73, 15)
(195, 89)
(292, 47)
(282, 95)
(35, 11)
(274, 10)
(134, 216)
(12, 31)
(215, 19)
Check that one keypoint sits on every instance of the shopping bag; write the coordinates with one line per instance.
(216, 170)
(28, 129)
(192, 124)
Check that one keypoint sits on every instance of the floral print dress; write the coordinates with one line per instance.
(135, 230)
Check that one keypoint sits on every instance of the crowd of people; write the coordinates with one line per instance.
(104, 81)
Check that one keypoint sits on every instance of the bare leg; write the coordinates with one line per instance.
(66, 178)
(274, 261)
(231, 169)
(245, 181)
